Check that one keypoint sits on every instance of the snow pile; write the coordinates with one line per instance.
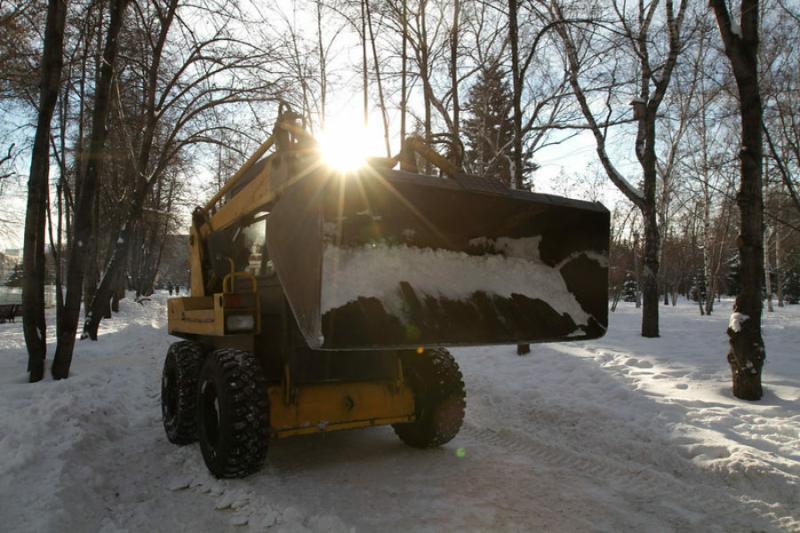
(735, 323)
(618, 434)
(376, 271)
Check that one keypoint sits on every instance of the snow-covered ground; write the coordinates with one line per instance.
(618, 434)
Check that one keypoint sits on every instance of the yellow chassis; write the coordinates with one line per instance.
(326, 407)
(295, 409)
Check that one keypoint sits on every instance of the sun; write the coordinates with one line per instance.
(345, 147)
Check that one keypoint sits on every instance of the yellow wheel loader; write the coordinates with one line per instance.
(323, 300)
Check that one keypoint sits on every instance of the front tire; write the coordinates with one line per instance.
(179, 391)
(439, 396)
(233, 413)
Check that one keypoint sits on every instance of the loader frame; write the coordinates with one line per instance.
(295, 409)
(233, 316)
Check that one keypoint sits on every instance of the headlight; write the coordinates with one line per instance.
(240, 322)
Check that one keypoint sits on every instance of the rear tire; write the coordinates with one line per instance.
(232, 413)
(439, 396)
(179, 391)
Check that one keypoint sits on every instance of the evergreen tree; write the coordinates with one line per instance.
(629, 289)
(488, 129)
(698, 290)
(791, 286)
(791, 280)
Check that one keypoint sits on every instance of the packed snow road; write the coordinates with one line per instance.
(618, 434)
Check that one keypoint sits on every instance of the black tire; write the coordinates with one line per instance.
(179, 391)
(232, 413)
(439, 396)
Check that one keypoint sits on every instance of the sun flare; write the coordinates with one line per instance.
(345, 147)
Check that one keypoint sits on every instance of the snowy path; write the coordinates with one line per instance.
(618, 434)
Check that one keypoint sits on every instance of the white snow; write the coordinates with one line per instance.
(600, 259)
(619, 434)
(736, 320)
(375, 271)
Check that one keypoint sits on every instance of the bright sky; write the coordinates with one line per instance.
(344, 118)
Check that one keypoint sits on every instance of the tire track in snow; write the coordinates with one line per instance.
(649, 485)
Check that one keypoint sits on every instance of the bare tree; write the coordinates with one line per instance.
(218, 71)
(87, 196)
(652, 80)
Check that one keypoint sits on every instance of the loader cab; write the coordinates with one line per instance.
(280, 342)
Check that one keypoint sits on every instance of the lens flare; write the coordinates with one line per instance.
(345, 147)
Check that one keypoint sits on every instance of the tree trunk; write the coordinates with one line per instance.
(105, 289)
(424, 68)
(778, 267)
(377, 65)
(86, 198)
(746, 355)
(765, 247)
(404, 74)
(513, 36)
(767, 280)
(91, 274)
(456, 152)
(119, 293)
(650, 276)
(60, 259)
(616, 293)
(323, 68)
(364, 67)
(33, 258)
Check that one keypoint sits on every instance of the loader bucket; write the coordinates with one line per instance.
(389, 259)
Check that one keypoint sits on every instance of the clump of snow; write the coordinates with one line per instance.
(376, 271)
(736, 321)
(600, 259)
